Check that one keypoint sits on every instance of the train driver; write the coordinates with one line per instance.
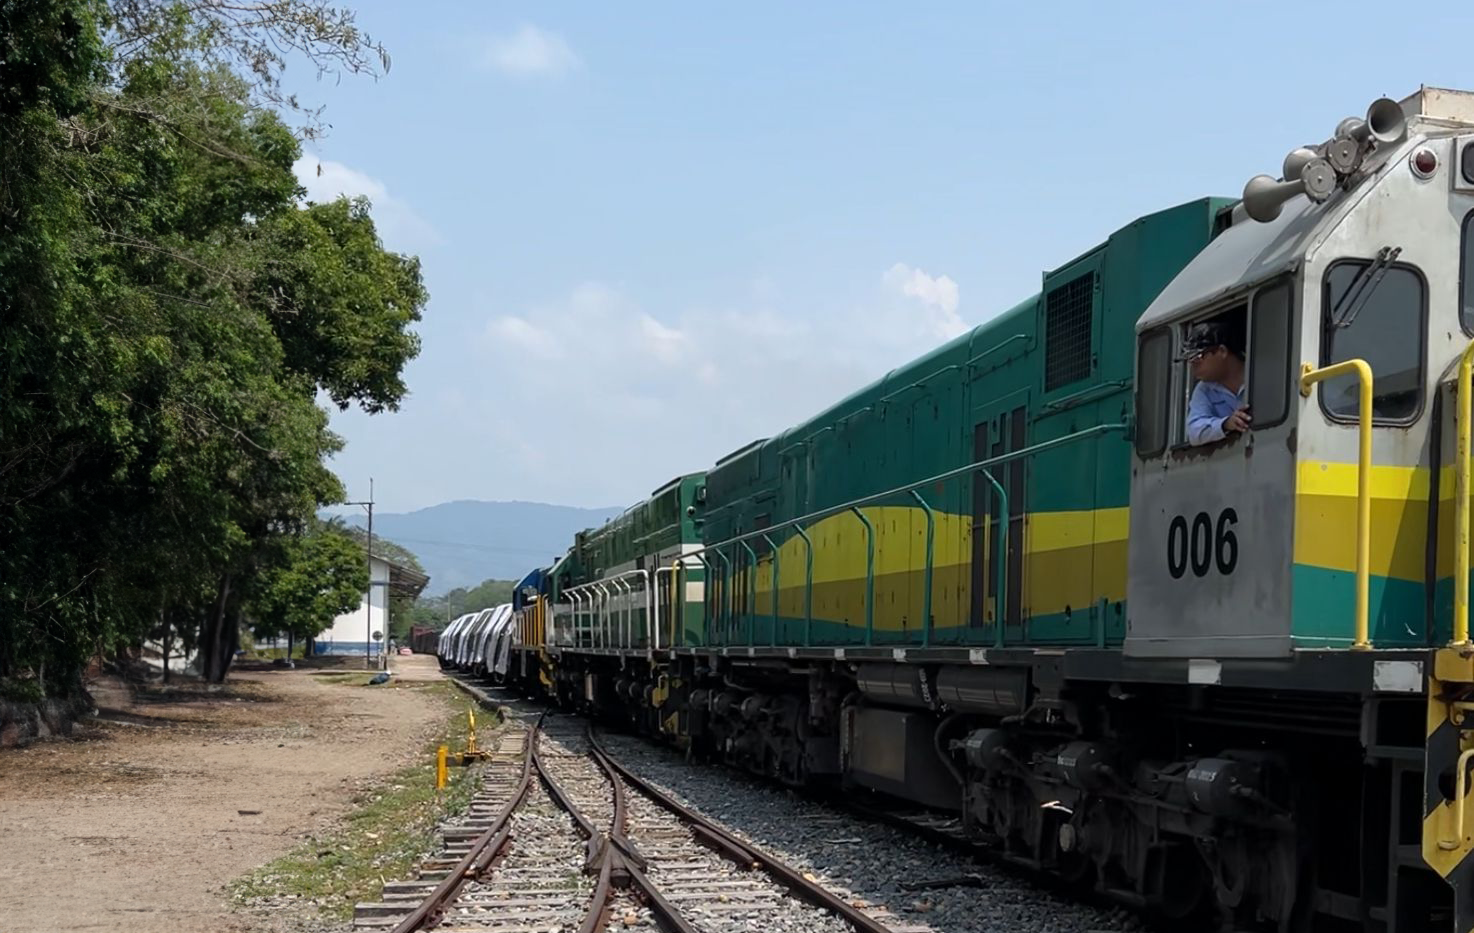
(1217, 408)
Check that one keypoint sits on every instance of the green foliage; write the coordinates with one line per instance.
(161, 442)
(436, 611)
(315, 577)
(334, 284)
(20, 691)
(52, 52)
(488, 593)
(383, 547)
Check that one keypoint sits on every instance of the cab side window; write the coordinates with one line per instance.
(1466, 268)
(1269, 356)
(1382, 321)
(1153, 392)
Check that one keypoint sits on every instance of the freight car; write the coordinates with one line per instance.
(423, 639)
(478, 642)
(1225, 681)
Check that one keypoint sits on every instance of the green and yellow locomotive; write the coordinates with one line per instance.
(1043, 578)
(614, 593)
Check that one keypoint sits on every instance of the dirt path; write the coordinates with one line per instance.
(139, 827)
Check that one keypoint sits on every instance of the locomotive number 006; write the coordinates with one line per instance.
(1202, 544)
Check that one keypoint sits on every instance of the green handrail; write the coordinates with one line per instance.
(773, 636)
(678, 598)
(1009, 457)
(720, 598)
(931, 528)
(980, 466)
(808, 586)
(751, 602)
(1000, 562)
(869, 576)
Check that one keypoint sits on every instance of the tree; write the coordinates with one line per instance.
(169, 312)
(314, 578)
(332, 284)
(489, 593)
(436, 611)
(383, 547)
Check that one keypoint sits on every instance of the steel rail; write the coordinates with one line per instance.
(666, 913)
(740, 852)
(485, 849)
(618, 859)
(598, 859)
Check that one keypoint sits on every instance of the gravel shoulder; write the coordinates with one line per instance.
(139, 820)
(866, 863)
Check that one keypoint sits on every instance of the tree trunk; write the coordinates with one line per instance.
(291, 643)
(214, 644)
(232, 639)
(164, 618)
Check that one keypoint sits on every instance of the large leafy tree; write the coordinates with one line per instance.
(171, 311)
(316, 577)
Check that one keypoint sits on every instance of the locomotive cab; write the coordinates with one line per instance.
(1247, 547)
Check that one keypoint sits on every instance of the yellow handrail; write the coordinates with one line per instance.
(1465, 427)
(1309, 376)
(1461, 789)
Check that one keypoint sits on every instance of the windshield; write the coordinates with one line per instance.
(1387, 330)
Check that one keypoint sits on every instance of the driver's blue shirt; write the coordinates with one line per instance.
(1209, 407)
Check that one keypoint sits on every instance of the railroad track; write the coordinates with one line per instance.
(557, 841)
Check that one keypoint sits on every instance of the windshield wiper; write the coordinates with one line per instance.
(1360, 291)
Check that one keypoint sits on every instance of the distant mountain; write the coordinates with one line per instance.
(462, 543)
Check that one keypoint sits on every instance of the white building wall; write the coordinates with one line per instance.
(350, 632)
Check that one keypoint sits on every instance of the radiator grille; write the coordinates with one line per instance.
(1068, 314)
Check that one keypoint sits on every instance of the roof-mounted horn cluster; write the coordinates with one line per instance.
(1317, 171)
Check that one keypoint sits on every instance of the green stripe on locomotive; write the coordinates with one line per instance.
(1058, 363)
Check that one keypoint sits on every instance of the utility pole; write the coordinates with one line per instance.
(368, 635)
(369, 621)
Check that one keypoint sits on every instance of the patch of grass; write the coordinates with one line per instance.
(389, 831)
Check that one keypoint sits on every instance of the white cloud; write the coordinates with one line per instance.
(937, 295)
(526, 336)
(399, 226)
(666, 344)
(528, 52)
(636, 393)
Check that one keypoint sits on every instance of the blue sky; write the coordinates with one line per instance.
(654, 232)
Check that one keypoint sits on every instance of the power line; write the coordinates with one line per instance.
(468, 545)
